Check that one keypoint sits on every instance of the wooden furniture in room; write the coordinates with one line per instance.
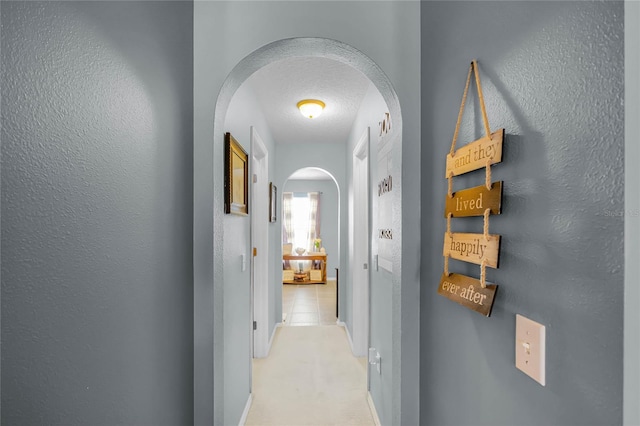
(317, 274)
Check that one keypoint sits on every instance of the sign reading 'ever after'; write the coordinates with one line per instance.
(475, 155)
(473, 248)
(468, 292)
(474, 201)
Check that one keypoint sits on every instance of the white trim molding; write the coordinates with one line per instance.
(343, 324)
(245, 413)
(631, 386)
(374, 412)
(260, 269)
(273, 334)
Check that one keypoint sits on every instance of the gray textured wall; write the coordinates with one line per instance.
(552, 76)
(97, 297)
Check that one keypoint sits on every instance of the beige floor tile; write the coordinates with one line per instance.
(330, 320)
(318, 300)
(306, 317)
(306, 309)
(290, 389)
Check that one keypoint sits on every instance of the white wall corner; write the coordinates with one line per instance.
(245, 413)
(631, 369)
(343, 324)
(273, 334)
(374, 412)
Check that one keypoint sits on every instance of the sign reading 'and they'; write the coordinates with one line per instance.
(475, 155)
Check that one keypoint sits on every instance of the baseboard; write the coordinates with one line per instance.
(372, 407)
(342, 324)
(245, 413)
(273, 334)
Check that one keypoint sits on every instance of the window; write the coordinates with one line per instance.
(301, 219)
(300, 223)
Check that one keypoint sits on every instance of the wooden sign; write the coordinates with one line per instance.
(472, 248)
(474, 201)
(468, 292)
(474, 156)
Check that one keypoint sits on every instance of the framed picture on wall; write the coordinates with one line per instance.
(273, 201)
(236, 177)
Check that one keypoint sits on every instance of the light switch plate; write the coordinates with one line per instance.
(530, 348)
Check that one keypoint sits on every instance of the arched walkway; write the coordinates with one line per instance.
(279, 50)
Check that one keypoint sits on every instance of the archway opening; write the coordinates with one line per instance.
(310, 229)
(226, 342)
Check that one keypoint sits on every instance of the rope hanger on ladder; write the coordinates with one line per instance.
(472, 68)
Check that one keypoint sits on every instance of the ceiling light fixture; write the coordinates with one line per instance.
(311, 108)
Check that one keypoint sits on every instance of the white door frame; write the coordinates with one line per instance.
(361, 246)
(631, 390)
(259, 244)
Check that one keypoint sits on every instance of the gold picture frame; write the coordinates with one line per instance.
(236, 177)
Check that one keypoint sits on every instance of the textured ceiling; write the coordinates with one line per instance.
(279, 86)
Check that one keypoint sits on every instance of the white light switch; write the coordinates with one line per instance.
(530, 348)
(243, 262)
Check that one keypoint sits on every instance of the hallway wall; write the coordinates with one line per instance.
(381, 336)
(243, 113)
(97, 155)
(552, 76)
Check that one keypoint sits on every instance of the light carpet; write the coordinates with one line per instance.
(310, 378)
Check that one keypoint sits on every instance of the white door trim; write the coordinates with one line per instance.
(361, 242)
(260, 241)
(631, 387)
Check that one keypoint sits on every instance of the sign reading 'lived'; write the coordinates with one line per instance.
(474, 201)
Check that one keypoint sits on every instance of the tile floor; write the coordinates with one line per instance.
(309, 304)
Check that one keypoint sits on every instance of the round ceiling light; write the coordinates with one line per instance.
(311, 108)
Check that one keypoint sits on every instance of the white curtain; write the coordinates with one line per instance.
(287, 228)
(314, 218)
(301, 224)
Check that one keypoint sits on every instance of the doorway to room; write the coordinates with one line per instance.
(310, 248)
